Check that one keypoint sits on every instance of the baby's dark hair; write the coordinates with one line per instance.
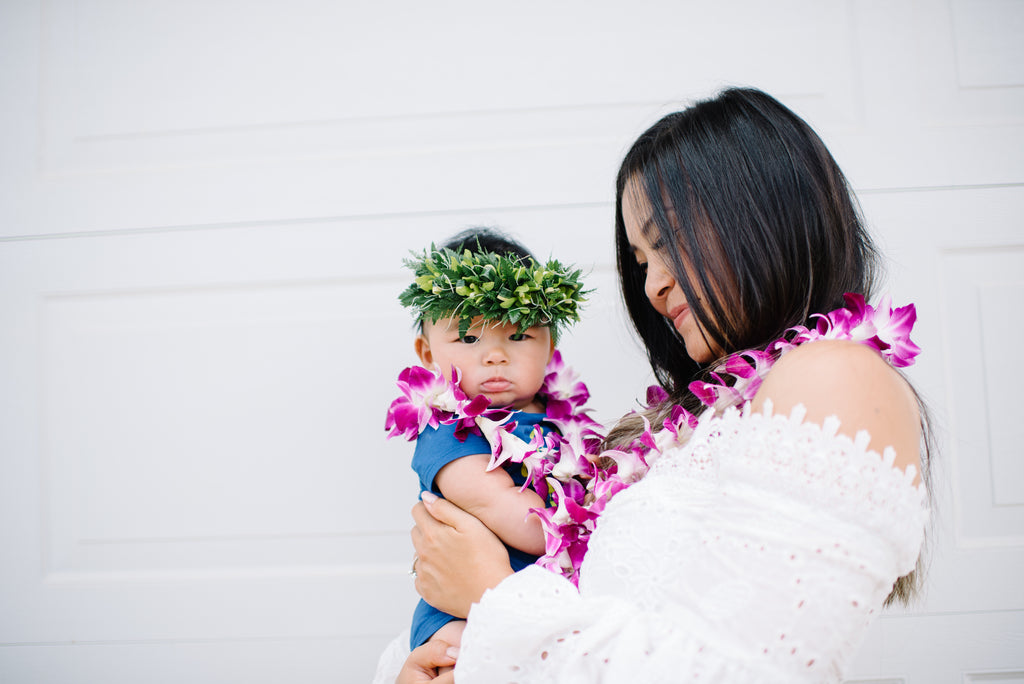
(484, 239)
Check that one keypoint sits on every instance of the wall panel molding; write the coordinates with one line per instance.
(989, 494)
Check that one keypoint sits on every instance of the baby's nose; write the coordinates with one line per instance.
(495, 354)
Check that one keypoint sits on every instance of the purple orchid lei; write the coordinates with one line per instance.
(568, 468)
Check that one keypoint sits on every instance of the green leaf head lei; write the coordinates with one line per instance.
(502, 288)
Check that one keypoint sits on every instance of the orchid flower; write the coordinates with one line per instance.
(567, 527)
(680, 423)
(886, 329)
(656, 396)
(602, 488)
(426, 397)
(573, 458)
(892, 330)
(538, 464)
(630, 466)
(562, 384)
(718, 396)
(505, 445)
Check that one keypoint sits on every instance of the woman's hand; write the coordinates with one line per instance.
(422, 663)
(458, 558)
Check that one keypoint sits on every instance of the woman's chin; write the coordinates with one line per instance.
(701, 355)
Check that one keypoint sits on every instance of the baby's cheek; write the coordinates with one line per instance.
(447, 373)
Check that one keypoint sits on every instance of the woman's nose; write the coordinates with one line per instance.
(658, 283)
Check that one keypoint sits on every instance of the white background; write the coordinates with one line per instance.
(203, 211)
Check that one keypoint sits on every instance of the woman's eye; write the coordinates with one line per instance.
(468, 339)
(643, 267)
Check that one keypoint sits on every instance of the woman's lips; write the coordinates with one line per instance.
(678, 315)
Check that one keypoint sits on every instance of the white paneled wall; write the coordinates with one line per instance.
(203, 211)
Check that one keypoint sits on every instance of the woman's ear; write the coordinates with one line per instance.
(422, 347)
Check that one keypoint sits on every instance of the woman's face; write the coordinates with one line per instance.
(664, 293)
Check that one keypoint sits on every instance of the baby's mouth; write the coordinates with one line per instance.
(495, 385)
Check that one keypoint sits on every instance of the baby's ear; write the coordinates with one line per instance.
(422, 347)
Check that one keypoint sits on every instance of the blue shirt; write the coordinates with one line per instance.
(436, 448)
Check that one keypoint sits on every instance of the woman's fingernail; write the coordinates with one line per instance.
(428, 497)
(452, 652)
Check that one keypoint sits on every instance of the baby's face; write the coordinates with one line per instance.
(498, 360)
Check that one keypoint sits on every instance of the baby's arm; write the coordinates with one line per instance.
(495, 499)
(451, 634)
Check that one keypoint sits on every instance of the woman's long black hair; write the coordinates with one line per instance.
(745, 197)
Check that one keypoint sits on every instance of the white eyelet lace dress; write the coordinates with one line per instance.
(758, 552)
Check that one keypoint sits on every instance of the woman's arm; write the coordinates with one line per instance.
(458, 557)
(493, 498)
(853, 383)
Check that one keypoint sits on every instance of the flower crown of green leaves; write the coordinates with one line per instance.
(502, 288)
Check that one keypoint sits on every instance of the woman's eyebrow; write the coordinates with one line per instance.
(648, 226)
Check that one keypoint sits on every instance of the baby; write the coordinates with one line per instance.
(493, 332)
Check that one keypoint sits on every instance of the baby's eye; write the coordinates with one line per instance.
(518, 337)
(468, 339)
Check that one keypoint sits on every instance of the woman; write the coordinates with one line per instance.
(764, 539)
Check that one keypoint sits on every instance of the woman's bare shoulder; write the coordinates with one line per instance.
(852, 382)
